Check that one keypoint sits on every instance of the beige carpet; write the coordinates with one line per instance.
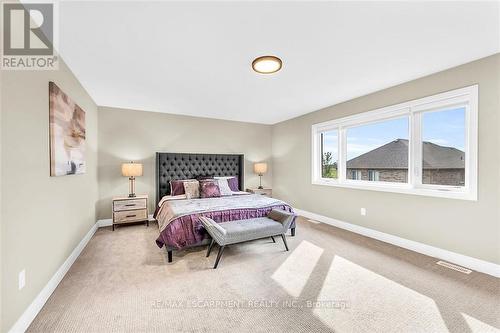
(331, 280)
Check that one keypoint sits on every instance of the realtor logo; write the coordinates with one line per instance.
(28, 36)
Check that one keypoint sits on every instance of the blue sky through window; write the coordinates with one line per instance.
(330, 144)
(444, 128)
(362, 139)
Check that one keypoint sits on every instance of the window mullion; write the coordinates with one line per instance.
(415, 171)
(341, 170)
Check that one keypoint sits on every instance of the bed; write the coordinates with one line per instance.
(178, 217)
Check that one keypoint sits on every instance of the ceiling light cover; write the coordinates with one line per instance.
(267, 64)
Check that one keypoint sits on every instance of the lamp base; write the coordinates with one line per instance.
(131, 191)
(260, 187)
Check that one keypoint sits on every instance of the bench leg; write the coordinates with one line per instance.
(210, 247)
(169, 253)
(284, 241)
(274, 241)
(293, 232)
(221, 249)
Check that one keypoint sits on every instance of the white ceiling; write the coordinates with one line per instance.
(194, 58)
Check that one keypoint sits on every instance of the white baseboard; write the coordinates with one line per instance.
(109, 222)
(456, 258)
(104, 223)
(34, 308)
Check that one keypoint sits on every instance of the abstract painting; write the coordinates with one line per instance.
(67, 134)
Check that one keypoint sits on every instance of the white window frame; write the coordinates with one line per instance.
(464, 97)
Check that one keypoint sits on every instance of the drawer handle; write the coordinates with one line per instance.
(130, 216)
(129, 205)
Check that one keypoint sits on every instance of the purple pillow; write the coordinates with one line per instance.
(233, 184)
(209, 189)
(177, 186)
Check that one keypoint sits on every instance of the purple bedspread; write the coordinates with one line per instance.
(187, 230)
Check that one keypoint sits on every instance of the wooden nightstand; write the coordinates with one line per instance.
(263, 191)
(128, 210)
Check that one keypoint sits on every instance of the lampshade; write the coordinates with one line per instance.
(260, 168)
(131, 169)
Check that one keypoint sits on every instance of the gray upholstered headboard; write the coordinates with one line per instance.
(173, 166)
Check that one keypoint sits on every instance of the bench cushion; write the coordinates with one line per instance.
(245, 230)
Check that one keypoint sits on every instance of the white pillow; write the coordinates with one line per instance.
(224, 188)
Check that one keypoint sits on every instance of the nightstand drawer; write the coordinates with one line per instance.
(121, 205)
(130, 216)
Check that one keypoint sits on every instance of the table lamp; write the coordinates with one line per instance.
(260, 169)
(131, 170)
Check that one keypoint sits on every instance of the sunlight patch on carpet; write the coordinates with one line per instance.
(294, 272)
(374, 303)
(477, 326)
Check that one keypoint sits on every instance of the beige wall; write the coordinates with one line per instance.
(126, 135)
(466, 227)
(43, 218)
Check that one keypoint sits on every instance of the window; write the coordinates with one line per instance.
(373, 175)
(329, 154)
(443, 147)
(355, 174)
(425, 147)
(381, 145)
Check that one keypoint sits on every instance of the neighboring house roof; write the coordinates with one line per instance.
(394, 155)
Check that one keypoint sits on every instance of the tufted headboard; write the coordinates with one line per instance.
(173, 166)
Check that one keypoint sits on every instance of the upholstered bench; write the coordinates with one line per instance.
(276, 223)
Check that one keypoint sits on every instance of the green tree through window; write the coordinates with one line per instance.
(329, 168)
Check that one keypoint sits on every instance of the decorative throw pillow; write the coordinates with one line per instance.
(224, 188)
(177, 186)
(233, 184)
(192, 189)
(232, 181)
(209, 189)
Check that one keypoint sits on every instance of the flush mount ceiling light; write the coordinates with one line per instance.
(267, 64)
